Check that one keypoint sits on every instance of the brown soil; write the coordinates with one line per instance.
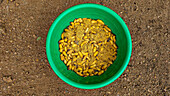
(24, 70)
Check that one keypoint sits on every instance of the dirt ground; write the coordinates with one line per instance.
(24, 69)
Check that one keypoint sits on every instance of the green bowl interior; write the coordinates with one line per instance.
(118, 27)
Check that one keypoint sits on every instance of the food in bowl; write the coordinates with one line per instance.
(88, 47)
(117, 26)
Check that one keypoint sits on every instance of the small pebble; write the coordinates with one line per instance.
(109, 92)
(34, 36)
(7, 79)
(11, 0)
(17, 4)
(2, 30)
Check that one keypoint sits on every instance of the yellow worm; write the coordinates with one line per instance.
(94, 21)
(66, 30)
(100, 72)
(64, 53)
(81, 55)
(95, 54)
(62, 57)
(94, 49)
(107, 28)
(100, 21)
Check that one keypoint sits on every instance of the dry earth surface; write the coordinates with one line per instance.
(24, 69)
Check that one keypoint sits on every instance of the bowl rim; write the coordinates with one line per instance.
(90, 86)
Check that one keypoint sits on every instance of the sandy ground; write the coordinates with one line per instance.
(24, 70)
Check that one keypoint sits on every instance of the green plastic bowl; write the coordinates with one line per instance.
(118, 27)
